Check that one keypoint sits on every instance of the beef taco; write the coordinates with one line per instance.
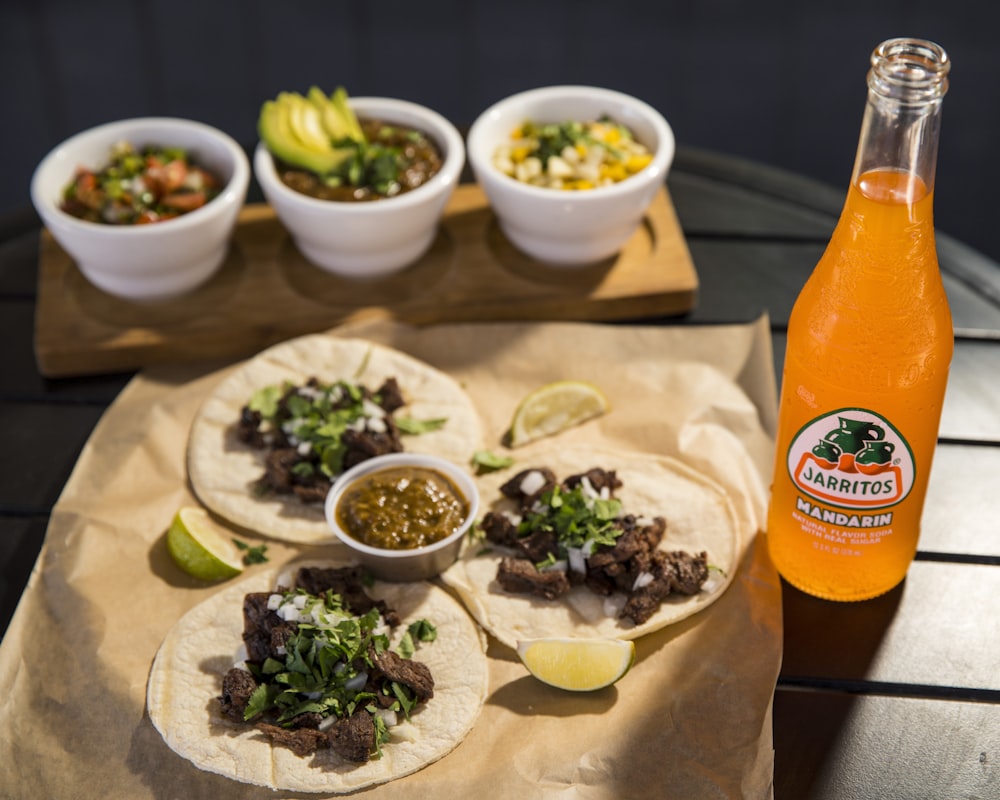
(644, 541)
(396, 403)
(211, 698)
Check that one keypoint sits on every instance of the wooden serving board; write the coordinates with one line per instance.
(266, 291)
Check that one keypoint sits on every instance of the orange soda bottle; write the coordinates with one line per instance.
(870, 340)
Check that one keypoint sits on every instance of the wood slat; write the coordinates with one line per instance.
(851, 747)
(935, 629)
(959, 517)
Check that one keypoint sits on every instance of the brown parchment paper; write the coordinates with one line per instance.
(692, 719)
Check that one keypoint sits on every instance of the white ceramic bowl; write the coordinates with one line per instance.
(145, 262)
(419, 563)
(569, 228)
(370, 239)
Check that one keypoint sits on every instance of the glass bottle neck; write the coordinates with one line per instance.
(901, 125)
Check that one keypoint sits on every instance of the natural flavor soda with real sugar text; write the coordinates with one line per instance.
(870, 341)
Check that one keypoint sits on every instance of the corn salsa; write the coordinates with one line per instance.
(572, 155)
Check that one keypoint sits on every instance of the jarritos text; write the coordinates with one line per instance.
(853, 460)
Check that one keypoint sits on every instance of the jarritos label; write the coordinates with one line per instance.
(853, 459)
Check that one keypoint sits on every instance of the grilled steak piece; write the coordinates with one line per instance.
(278, 475)
(361, 445)
(263, 630)
(598, 478)
(347, 582)
(237, 686)
(499, 529)
(537, 546)
(353, 738)
(677, 572)
(390, 397)
(301, 741)
(689, 571)
(513, 487)
(519, 575)
(414, 674)
(248, 428)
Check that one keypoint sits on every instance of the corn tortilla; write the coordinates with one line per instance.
(223, 470)
(186, 681)
(699, 514)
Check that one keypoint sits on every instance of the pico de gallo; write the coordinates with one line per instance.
(140, 186)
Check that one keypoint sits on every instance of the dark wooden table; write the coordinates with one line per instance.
(895, 697)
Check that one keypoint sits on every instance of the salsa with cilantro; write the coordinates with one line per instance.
(401, 508)
(392, 160)
(139, 186)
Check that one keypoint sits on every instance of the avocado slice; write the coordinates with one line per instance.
(336, 116)
(305, 122)
(284, 140)
(339, 101)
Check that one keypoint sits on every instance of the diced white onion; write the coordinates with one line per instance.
(588, 547)
(357, 682)
(377, 425)
(371, 409)
(389, 717)
(558, 168)
(504, 163)
(613, 604)
(273, 602)
(512, 516)
(326, 722)
(577, 561)
(532, 482)
(303, 448)
(587, 487)
(643, 522)
(570, 155)
(642, 579)
(289, 613)
(299, 601)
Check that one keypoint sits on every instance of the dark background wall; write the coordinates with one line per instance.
(779, 82)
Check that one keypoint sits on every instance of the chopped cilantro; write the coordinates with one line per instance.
(324, 665)
(423, 630)
(420, 631)
(415, 427)
(485, 461)
(252, 555)
(549, 561)
(574, 517)
(316, 417)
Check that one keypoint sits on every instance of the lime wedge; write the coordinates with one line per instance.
(579, 665)
(555, 407)
(199, 548)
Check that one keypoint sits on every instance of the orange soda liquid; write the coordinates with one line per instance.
(870, 341)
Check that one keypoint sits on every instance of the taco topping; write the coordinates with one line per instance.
(574, 532)
(319, 672)
(401, 508)
(316, 431)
